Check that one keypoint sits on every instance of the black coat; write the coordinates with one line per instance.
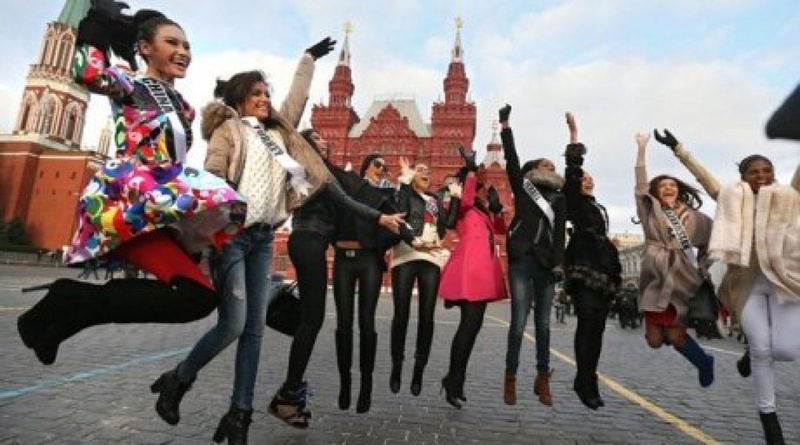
(591, 261)
(531, 232)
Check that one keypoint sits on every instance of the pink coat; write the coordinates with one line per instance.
(473, 272)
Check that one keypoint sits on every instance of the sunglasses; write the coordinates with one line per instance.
(379, 164)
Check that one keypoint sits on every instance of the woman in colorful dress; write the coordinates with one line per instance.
(143, 207)
(473, 276)
(674, 262)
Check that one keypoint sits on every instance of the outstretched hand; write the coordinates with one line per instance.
(469, 159)
(667, 138)
(642, 138)
(572, 126)
(504, 113)
(321, 48)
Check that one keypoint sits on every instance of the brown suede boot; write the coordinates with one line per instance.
(510, 389)
(541, 387)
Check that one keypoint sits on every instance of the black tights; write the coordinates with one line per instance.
(464, 340)
(307, 252)
(403, 276)
(589, 338)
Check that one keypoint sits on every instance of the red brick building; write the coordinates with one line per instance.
(42, 164)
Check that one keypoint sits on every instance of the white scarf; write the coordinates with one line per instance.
(159, 94)
(732, 235)
(297, 174)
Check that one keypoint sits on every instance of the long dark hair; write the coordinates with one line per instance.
(147, 22)
(235, 90)
(686, 193)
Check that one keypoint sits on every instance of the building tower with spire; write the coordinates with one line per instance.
(393, 125)
(44, 168)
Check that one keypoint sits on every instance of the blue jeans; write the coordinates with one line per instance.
(531, 285)
(242, 274)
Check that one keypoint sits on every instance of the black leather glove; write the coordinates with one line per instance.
(469, 159)
(504, 113)
(493, 198)
(123, 41)
(105, 26)
(667, 138)
(321, 48)
(574, 153)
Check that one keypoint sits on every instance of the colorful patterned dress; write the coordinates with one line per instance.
(146, 187)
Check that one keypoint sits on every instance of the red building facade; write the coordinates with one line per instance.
(42, 164)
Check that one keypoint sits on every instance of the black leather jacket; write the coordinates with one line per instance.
(412, 204)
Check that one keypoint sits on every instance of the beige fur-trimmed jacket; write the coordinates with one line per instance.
(776, 244)
(225, 133)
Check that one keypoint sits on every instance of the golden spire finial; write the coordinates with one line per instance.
(459, 23)
(348, 27)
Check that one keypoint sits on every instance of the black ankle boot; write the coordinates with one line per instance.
(581, 388)
(395, 376)
(234, 426)
(416, 379)
(772, 428)
(743, 364)
(594, 391)
(170, 393)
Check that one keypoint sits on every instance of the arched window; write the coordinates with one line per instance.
(64, 52)
(69, 126)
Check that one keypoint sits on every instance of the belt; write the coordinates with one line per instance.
(349, 245)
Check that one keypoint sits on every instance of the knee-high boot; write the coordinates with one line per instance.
(398, 341)
(420, 360)
(700, 359)
(367, 349)
(71, 306)
(344, 361)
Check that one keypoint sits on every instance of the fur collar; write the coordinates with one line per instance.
(215, 114)
(551, 180)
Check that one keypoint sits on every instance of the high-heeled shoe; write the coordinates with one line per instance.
(591, 401)
(170, 392)
(234, 426)
(450, 387)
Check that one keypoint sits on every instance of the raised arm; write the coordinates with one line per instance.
(785, 121)
(295, 101)
(701, 174)
(641, 162)
(513, 169)
(105, 27)
(574, 172)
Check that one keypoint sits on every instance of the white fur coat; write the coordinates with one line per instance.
(766, 225)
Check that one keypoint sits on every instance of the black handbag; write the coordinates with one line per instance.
(702, 311)
(283, 313)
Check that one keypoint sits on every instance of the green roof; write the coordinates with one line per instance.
(74, 11)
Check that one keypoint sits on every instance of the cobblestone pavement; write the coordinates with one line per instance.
(98, 390)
